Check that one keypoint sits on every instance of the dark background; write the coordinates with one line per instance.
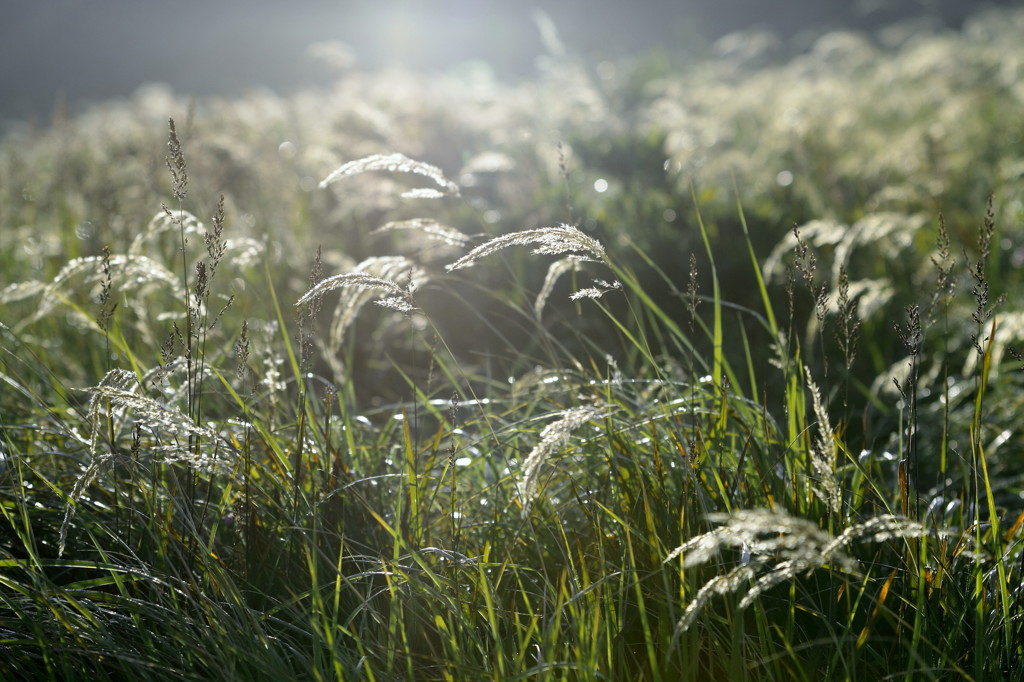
(86, 50)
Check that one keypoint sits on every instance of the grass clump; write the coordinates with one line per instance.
(598, 460)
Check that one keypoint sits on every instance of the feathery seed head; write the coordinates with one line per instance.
(598, 291)
(423, 193)
(176, 163)
(395, 163)
(555, 271)
(552, 437)
(823, 453)
(127, 272)
(431, 228)
(360, 280)
(552, 241)
(779, 547)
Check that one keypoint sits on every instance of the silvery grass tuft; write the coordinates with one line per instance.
(554, 436)
(559, 268)
(128, 271)
(602, 287)
(244, 251)
(376, 279)
(423, 193)
(359, 280)
(178, 222)
(118, 390)
(823, 453)
(551, 241)
(555, 271)
(397, 163)
(431, 228)
(776, 547)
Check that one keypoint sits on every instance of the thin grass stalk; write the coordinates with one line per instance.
(717, 345)
(641, 605)
(1003, 594)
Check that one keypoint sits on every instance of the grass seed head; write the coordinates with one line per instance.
(552, 241)
(396, 163)
(552, 437)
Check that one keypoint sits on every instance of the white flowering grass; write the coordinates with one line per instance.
(130, 272)
(374, 279)
(358, 280)
(171, 429)
(431, 228)
(553, 437)
(396, 163)
(823, 452)
(551, 241)
(178, 223)
(595, 292)
(776, 547)
(555, 272)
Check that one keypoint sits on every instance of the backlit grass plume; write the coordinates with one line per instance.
(555, 271)
(118, 390)
(823, 453)
(775, 547)
(555, 435)
(395, 163)
(551, 241)
(374, 279)
(127, 271)
(431, 228)
(360, 280)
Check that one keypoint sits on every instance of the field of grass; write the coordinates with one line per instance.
(635, 371)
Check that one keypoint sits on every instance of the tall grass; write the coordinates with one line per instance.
(584, 462)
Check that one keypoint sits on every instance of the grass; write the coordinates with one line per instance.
(454, 447)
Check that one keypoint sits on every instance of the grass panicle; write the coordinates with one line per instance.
(551, 241)
(396, 163)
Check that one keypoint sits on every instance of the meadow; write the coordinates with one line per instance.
(637, 370)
